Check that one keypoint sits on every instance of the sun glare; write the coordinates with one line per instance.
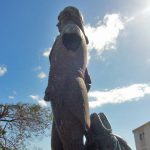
(146, 10)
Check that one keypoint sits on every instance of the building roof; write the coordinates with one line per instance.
(147, 123)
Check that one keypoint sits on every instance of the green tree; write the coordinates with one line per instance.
(21, 122)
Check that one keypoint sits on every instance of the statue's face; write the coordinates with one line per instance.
(60, 25)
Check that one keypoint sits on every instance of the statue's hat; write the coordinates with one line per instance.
(72, 13)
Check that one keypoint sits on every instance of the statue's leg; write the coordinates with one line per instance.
(71, 114)
(72, 136)
(55, 140)
(70, 131)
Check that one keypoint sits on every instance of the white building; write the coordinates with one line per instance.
(142, 137)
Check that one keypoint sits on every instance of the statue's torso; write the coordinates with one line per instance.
(68, 65)
(69, 62)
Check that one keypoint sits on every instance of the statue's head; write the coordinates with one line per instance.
(70, 14)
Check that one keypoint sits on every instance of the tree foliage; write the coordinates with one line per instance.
(20, 122)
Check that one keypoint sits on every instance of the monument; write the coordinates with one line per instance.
(68, 85)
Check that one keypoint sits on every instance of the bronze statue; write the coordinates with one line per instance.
(67, 89)
(69, 82)
(101, 136)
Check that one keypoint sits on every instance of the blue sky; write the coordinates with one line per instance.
(119, 56)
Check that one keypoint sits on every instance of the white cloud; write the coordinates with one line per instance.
(46, 52)
(104, 35)
(37, 68)
(40, 101)
(34, 97)
(129, 19)
(11, 97)
(118, 95)
(42, 75)
(3, 70)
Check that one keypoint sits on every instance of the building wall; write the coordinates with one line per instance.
(142, 137)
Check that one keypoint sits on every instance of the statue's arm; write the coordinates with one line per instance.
(49, 88)
(52, 50)
(87, 80)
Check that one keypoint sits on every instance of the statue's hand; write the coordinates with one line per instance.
(48, 94)
(46, 97)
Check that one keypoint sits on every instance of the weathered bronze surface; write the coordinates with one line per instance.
(68, 85)
(69, 82)
(101, 136)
